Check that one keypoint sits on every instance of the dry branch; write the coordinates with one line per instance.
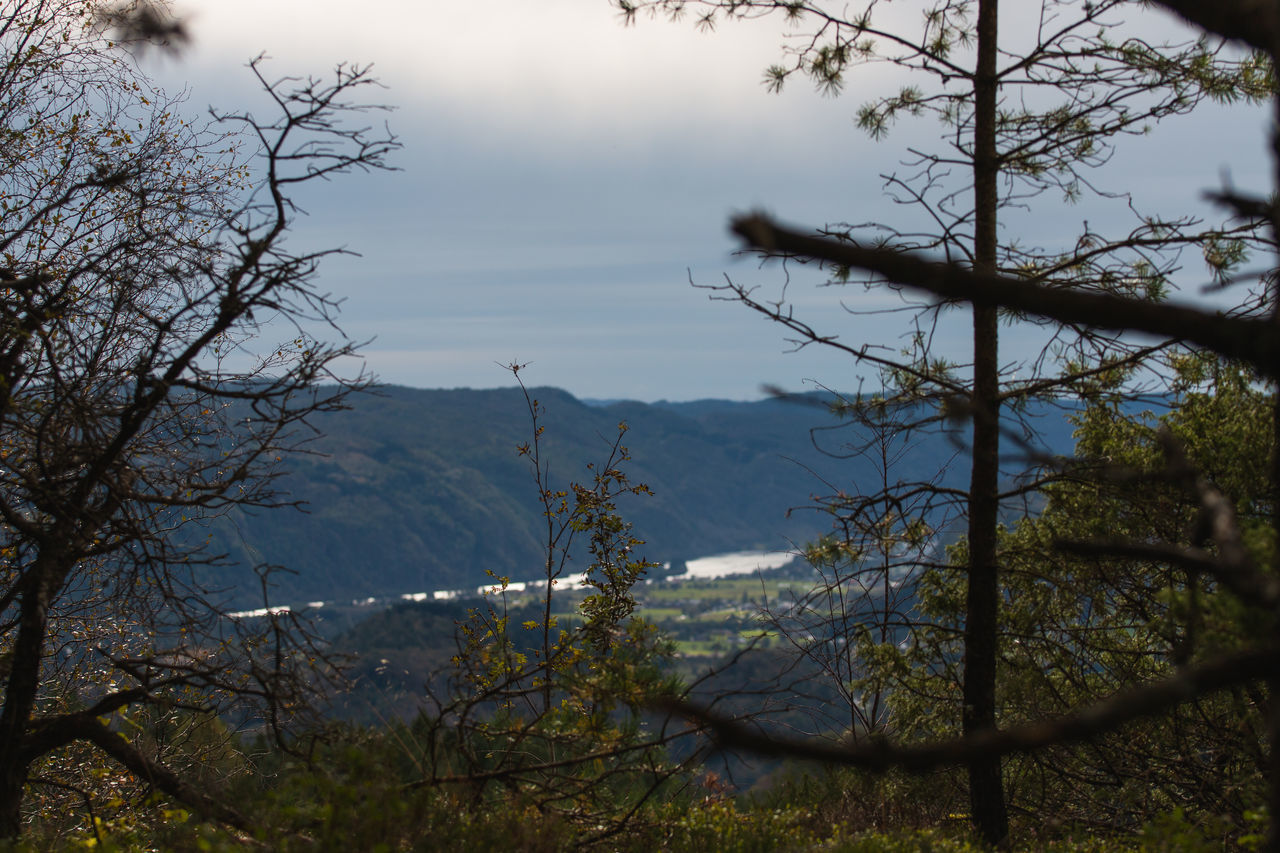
(1244, 338)
(880, 755)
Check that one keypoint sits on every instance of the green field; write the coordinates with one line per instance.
(705, 617)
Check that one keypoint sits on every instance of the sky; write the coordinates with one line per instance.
(564, 178)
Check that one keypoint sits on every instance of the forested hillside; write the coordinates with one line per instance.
(418, 490)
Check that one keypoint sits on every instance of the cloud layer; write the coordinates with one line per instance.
(564, 177)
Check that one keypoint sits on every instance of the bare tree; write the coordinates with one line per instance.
(143, 262)
(867, 570)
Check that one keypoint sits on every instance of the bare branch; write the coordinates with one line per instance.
(880, 755)
(1242, 338)
(160, 776)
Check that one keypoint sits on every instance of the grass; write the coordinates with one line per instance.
(702, 648)
(729, 589)
(661, 614)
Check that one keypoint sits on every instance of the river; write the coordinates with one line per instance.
(702, 568)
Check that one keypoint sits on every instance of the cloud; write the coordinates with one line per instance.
(564, 176)
(552, 71)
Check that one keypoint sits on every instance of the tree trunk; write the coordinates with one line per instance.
(1273, 684)
(13, 783)
(19, 702)
(986, 791)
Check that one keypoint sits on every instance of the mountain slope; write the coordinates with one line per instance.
(417, 490)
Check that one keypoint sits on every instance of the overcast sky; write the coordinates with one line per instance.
(563, 176)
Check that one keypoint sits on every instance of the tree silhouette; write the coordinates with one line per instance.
(146, 261)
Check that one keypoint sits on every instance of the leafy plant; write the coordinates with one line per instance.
(553, 712)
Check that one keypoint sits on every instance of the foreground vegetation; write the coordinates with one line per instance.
(483, 781)
(358, 792)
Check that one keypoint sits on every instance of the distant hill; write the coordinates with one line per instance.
(417, 490)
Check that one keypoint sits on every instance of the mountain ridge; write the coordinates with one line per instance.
(423, 489)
